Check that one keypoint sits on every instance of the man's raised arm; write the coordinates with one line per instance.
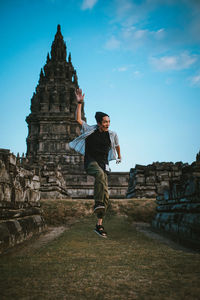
(80, 99)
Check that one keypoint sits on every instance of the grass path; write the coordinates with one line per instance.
(81, 265)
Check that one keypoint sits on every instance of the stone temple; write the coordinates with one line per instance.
(52, 125)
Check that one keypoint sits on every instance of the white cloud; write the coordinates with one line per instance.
(132, 38)
(112, 43)
(165, 63)
(195, 80)
(135, 18)
(137, 74)
(145, 33)
(139, 34)
(131, 32)
(88, 4)
(159, 34)
(122, 69)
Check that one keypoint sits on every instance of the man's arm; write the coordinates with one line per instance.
(119, 154)
(80, 99)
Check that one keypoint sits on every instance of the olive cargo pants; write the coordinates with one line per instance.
(100, 184)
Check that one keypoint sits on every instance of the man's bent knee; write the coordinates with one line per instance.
(100, 174)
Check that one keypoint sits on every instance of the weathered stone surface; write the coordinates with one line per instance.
(19, 201)
(51, 123)
(81, 185)
(53, 185)
(144, 179)
(16, 231)
(178, 209)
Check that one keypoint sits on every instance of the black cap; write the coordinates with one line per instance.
(99, 116)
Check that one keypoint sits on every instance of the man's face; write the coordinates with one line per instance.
(105, 123)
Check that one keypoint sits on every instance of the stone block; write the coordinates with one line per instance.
(163, 173)
(190, 187)
(36, 178)
(13, 232)
(150, 179)
(12, 159)
(164, 183)
(139, 179)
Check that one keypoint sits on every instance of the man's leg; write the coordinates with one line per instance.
(100, 184)
(106, 194)
(100, 193)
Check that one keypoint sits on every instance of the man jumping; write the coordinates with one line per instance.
(99, 145)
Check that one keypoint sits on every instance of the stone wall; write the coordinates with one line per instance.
(52, 183)
(178, 207)
(149, 181)
(118, 184)
(19, 201)
(81, 185)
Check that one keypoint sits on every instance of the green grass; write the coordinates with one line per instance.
(81, 265)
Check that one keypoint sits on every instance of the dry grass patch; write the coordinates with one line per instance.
(66, 211)
(138, 210)
(59, 212)
(81, 265)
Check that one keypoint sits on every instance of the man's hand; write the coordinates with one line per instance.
(118, 160)
(79, 95)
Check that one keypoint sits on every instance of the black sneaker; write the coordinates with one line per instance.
(100, 231)
(99, 207)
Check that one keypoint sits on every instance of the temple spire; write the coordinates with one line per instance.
(198, 157)
(58, 48)
(69, 58)
(48, 58)
(41, 75)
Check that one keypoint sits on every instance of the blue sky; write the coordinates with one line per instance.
(138, 61)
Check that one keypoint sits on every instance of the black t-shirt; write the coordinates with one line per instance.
(97, 146)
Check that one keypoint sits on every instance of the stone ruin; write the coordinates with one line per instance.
(178, 210)
(149, 181)
(176, 187)
(53, 185)
(20, 216)
(52, 125)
